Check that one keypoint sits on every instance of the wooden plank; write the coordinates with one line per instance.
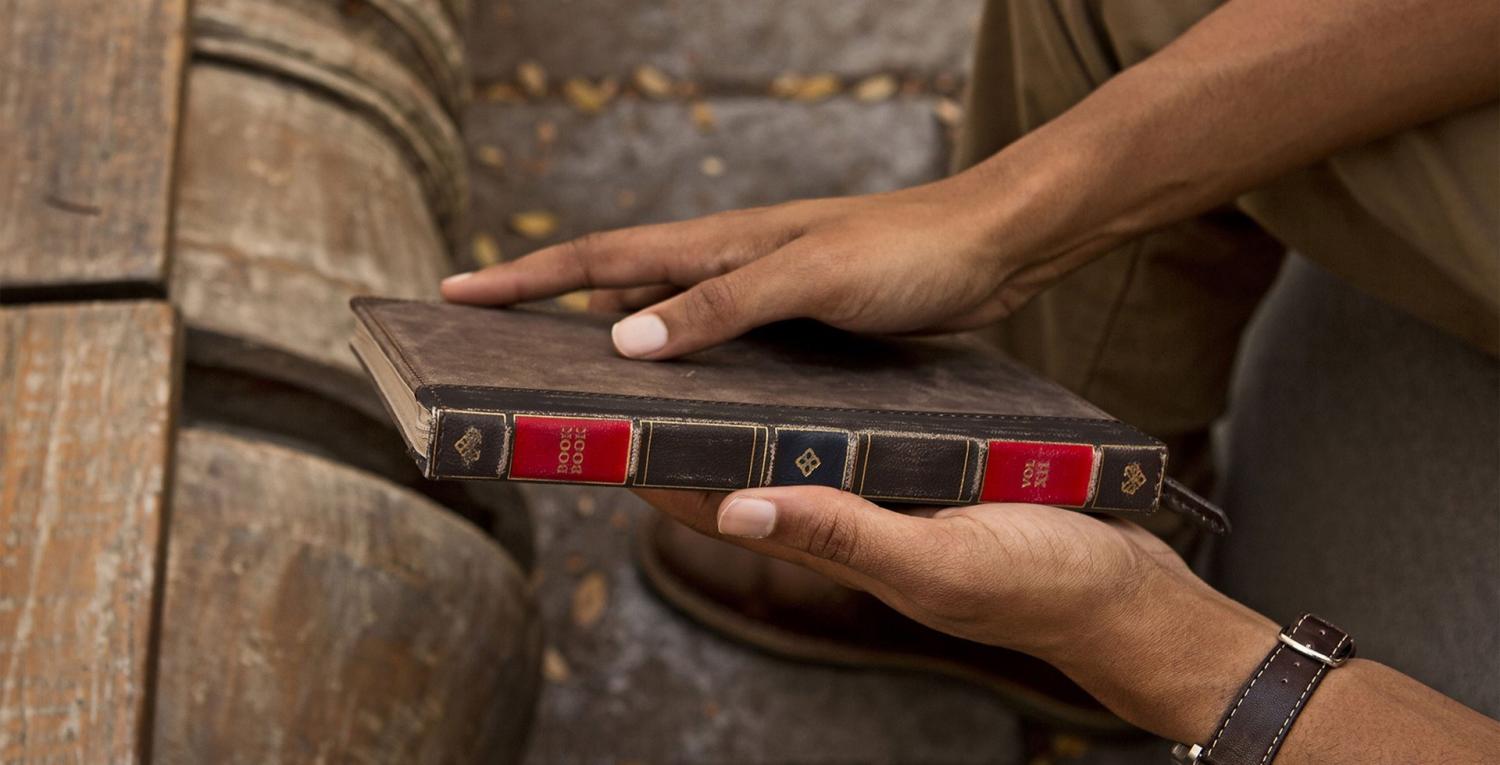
(292, 416)
(317, 613)
(305, 51)
(325, 206)
(89, 93)
(86, 400)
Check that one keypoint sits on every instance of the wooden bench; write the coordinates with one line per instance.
(212, 548)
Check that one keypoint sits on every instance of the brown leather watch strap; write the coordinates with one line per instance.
(1261, 716)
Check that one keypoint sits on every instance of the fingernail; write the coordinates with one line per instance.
(639, 335)
(457, 277)
(747, 517)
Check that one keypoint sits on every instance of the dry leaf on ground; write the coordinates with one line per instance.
(877, 88)
(576, 301)
(587, 97)
(486, 250)
(703, 117)
(491, 157)
(589, 599)
(815, 88)
(554, 667)
(785, 85)
(502, 92)
(948, 112)
(534, 224)
(533, 78)
(652, 82)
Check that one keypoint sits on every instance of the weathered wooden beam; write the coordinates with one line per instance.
(86, 400)
(89, 94)
(324, 207)
(318, 613)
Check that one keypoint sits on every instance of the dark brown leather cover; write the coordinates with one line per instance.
(907, 420)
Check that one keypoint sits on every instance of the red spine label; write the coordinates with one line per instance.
(1048, 474)
(570, 449)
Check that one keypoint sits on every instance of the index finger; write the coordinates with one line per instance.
(682, 254)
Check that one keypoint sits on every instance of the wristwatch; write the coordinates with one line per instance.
(1255, 725)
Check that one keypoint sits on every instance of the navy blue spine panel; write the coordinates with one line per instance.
(810, 457)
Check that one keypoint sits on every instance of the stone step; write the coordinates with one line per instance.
(721, 41)
(646, 161)
(628, 679)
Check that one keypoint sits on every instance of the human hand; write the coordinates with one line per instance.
(1099, 598)
(1037, 579)
(922, 259)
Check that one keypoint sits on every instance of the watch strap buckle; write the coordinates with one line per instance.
(1255, 738)
(1342, 651)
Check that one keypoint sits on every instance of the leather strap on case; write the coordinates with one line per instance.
(1179, 499)
(1263, 713)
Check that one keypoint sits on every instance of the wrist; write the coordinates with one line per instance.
(1047, 200)
(1101, 173)
(1170, 658)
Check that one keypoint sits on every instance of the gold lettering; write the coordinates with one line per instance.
(570, 444)
(1034, 476)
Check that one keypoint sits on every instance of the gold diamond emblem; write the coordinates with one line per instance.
(1135, 478)
(468, 445)
(808, 462)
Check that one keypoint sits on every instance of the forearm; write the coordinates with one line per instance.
(1176, 661)
(1256, 89)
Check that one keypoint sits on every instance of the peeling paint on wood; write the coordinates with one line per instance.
(344, 170)
(273, 37)
(316, 613)
(89, 93)
(86, 400)
(324, 208)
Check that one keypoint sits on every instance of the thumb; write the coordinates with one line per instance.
(711, 312)
(823, 524)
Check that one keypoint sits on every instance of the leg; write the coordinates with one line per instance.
(1364, 486)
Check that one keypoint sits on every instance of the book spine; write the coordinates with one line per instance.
(725, 456)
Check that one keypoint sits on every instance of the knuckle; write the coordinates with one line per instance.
(714, 302)
(582, 254)
(833, 537)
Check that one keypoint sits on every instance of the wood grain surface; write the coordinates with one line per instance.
(324, 207)
(89, 93)
(86, 400)
(316, 613)
(273, 36)
(418, 33)
(264, 409)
